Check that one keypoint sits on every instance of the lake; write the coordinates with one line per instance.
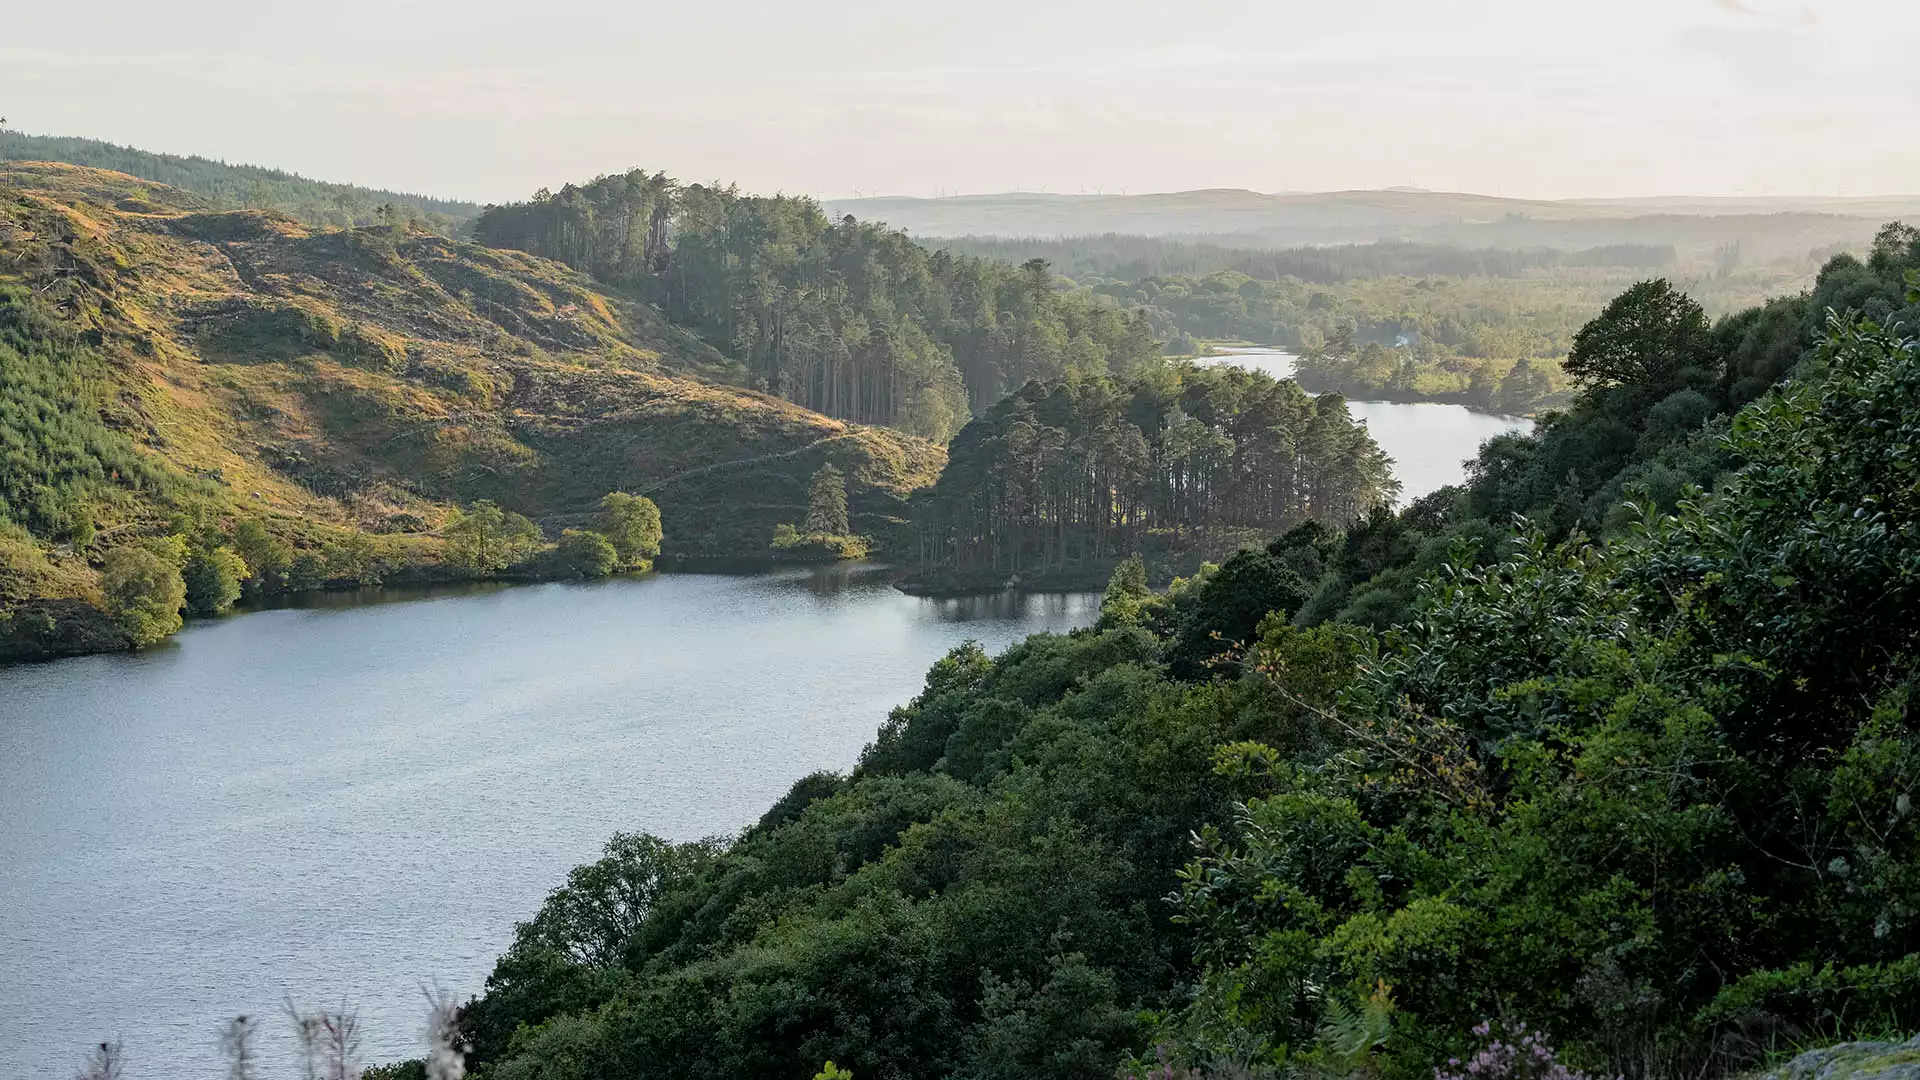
(353, 799)
(1428, 442)
(348, 801)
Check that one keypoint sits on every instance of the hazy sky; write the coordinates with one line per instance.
(488, 100)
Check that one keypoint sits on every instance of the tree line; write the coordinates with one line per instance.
(848, 318)
(1119, 257)
(1078, 472)
(1375, 371)
(210, 559)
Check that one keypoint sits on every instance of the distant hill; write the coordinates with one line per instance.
(1221, 211)
(165, 361)
(1764, 228)
(239, 187)
(1871, 206)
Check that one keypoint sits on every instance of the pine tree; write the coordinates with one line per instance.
(827, 502)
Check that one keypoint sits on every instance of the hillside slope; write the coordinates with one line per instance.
(348, 388)
(238, 187)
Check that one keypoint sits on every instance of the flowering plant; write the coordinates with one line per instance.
(1519, 1054)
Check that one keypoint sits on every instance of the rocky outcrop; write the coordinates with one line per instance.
(1855, 1061)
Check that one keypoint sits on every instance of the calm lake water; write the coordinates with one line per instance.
(1429, 443)
(351, 800)
(347, 802)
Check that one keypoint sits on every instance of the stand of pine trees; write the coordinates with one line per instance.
(1079, 472)
(847, 318)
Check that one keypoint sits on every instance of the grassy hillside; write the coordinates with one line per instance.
(238, 187)
(167, 362)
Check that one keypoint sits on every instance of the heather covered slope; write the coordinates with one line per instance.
(349, 388)
(229, 186)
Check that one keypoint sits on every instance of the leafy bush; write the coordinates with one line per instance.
(632, 523)
(144, 589)
(486, 539)
(213, 578)
(585, 554)
(817, 546)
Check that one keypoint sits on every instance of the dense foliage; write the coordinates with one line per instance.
(1649, 421)
(1652, 792)
(631, 523)
(847, 318)
(242, 187)
(1655, 794)
(1079, 472)
(58, 453)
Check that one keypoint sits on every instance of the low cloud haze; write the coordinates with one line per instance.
(487, 100)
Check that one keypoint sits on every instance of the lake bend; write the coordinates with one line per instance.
(352, 799)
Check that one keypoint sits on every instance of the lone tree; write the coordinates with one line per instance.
(632, 523)
(1646, 337)
(145, 591)
(827, 502)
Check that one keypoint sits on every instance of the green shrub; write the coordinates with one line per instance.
(632, 524)
(585, 554)
(144, 589)
(57, 455)
(213, 580)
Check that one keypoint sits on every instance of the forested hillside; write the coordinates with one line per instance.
(1120, 257)
(1062, 479)
(1484, 327)
(849, 318)
(1635, 769)
(243, 187)
(339, 407)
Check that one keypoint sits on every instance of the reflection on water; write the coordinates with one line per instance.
(1429, 442)
(348, 797)
(344, 599)
(1048, 608)
(839, 581)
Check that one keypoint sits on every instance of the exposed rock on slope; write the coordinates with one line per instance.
(1855, 1061)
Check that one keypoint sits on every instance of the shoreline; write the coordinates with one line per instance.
(1227, 351)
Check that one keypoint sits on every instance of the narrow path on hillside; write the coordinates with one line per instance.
(719, 466)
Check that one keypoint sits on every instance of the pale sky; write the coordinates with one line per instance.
(489, 100)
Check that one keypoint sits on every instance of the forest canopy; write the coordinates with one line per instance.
(847, 318)
(1080, 472)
